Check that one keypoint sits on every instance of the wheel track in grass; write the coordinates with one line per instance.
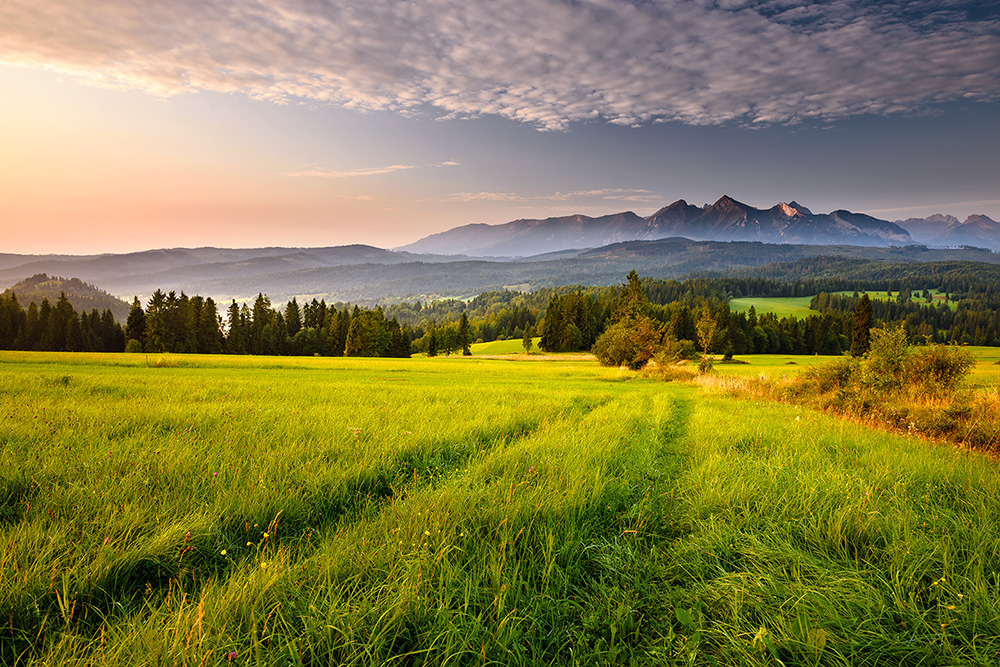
(368, 492)
(428, 463)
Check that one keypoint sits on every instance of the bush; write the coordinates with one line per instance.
(133, 346)
(912, 389)
(673, 350)
(938, 367)
(884, 365)
(838, 374)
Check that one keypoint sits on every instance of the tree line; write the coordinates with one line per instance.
(58, 327)
(182, 324)
(567, 318)
(676, 307)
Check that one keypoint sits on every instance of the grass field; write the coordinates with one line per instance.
(184, 510)
(937, 297)
(511, 346)
(792, 306)
(798, 306)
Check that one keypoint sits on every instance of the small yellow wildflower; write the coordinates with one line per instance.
(223, 552)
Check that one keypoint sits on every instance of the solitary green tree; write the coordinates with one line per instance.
(861, 338)
(526, 341)
(464, 339)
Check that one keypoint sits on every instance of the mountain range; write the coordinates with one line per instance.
(725, 220)
(676, 241)
(946, 230)
(366, 275)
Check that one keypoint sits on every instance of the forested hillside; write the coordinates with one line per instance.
(568, 318)
(82, 295)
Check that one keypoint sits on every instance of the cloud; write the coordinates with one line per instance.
(372, 171)
(936, 208)
(548, 63)
(606, 194)
(609, 194)
(484, 196)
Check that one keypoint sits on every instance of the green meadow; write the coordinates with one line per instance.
(203, 510)
(798, 306)
(790, 306)
(502, 347)
(937, 297)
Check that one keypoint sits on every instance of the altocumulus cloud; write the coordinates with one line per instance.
(372, 171)
(549, 63)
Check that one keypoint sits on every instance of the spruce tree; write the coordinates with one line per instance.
(432, 342)
(293, 317)
(135, 325)
(861, 338)
(464, 339)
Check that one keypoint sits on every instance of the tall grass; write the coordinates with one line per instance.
(196, 511)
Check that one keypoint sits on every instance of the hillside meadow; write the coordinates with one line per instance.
(200, 510)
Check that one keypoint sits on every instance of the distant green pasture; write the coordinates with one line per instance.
(789, 306)
(770, 365)
(510, 346)
(986, 372)
(798, 306)
(937, 297)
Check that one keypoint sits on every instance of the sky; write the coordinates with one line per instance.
(133, 125)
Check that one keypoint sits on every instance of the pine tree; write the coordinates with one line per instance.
(9, 329)
(236, 336)
(155, 322)
(209, 333)
(259, 339)
(632, 300)
(432, 341)
(32, 329)
(293, 317)
(135, 324)
(59, 323)
(861, 338)
(464, 340)
(45, 316)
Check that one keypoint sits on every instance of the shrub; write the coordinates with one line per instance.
(133, 346)
(883, 367)
(938, 367)
(838, 374)
(673, 350)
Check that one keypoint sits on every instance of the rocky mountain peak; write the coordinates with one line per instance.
(727, 203)
(788, 210)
